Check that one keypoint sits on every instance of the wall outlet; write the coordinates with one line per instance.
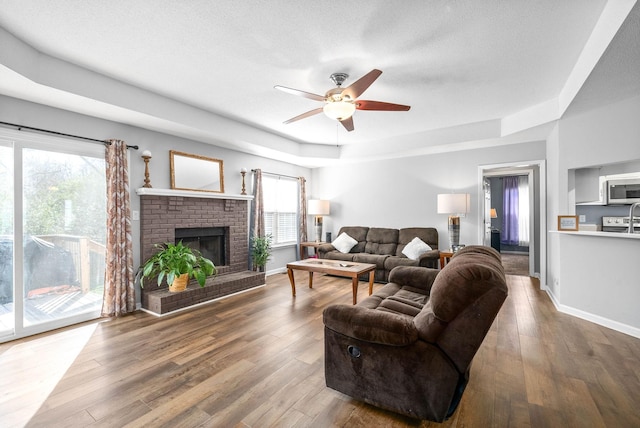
(583, 218)
(136, 215)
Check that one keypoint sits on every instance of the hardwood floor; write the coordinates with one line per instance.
(515, 264)
(256, 360)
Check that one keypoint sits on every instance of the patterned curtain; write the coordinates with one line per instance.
(302, 211)
(258, 205)
(119, 292)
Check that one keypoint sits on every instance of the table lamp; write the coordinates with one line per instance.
(454, 204)
(318, 208)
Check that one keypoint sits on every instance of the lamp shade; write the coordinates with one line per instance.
(339, 110)
(453, 203)
(318, 207)
(494, 213)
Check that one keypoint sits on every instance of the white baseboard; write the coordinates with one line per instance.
(275, 271)
(597, 319)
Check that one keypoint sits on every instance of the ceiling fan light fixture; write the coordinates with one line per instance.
(339, 103)
(339, 110)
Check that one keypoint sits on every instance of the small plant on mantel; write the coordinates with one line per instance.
(176, 263)
(260, 251)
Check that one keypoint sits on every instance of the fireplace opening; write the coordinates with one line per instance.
(210, 241)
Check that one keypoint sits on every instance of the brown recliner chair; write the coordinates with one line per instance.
(408, 347)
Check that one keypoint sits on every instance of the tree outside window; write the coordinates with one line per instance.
(281, 209)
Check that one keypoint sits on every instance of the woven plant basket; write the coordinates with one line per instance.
(179, 283)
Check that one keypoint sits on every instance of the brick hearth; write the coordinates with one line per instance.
(162, 211)
(163, 301)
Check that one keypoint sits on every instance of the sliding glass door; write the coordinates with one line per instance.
(7, 317)
(52, 252)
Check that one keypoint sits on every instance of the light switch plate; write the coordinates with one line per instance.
(583, 218)
(136, 215)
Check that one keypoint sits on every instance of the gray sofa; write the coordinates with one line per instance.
(383, 247)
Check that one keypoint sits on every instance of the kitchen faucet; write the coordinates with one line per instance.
(633, 206)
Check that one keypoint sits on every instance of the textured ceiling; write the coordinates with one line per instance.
(457, 63)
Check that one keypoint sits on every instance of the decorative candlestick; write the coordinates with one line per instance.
(243, 171)
(146, 155)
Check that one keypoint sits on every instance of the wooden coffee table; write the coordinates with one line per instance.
(333, 267)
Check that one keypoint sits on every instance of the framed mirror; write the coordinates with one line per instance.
(195, 172)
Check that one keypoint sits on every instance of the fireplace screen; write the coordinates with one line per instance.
(210, 241)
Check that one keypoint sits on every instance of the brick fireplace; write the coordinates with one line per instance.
(162, 212)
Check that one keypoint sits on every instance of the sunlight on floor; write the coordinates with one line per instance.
(46, 359)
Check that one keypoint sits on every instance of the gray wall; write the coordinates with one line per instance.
(602, 136)
(39, 116)
(395, 192)
(402, 192)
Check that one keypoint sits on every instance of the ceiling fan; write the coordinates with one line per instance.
(340, 103)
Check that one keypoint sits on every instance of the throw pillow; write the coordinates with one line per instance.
(415, 248)
(344, 243)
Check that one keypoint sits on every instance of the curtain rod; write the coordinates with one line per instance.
(277, 175)
(21, 127)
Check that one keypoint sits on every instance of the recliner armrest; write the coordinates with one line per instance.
(430, 259)
(414, 276)
(370, 325)
(324, 249)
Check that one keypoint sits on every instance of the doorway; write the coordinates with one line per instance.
(531, 173)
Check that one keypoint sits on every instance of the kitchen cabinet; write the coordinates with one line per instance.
(590, 187)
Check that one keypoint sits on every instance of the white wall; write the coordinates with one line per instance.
(605, 135)
(608, 134)
(555, 192)
(402, 192)
(599, 285)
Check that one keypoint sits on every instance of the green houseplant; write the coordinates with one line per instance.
(176, 263)
(260, 251)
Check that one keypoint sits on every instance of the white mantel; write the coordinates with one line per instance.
(150, 191)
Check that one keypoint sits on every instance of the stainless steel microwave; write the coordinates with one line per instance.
(623, 191)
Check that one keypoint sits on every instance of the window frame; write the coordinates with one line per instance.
(276, 216)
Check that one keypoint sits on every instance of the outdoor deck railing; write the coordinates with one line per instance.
(88, 258)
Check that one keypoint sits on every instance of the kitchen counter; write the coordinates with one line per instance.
(600, 234)
(595, 277)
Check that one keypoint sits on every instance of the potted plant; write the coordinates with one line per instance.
(260, 251)
(177, 263)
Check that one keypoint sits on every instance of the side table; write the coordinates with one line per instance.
(445, 256)
(310, 244)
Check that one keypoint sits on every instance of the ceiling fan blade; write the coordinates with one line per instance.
(379, 105)
(304, 115)
(348, 123)
(359, 86)
(300, 93)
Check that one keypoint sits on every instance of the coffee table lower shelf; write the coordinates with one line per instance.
(333, 267)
